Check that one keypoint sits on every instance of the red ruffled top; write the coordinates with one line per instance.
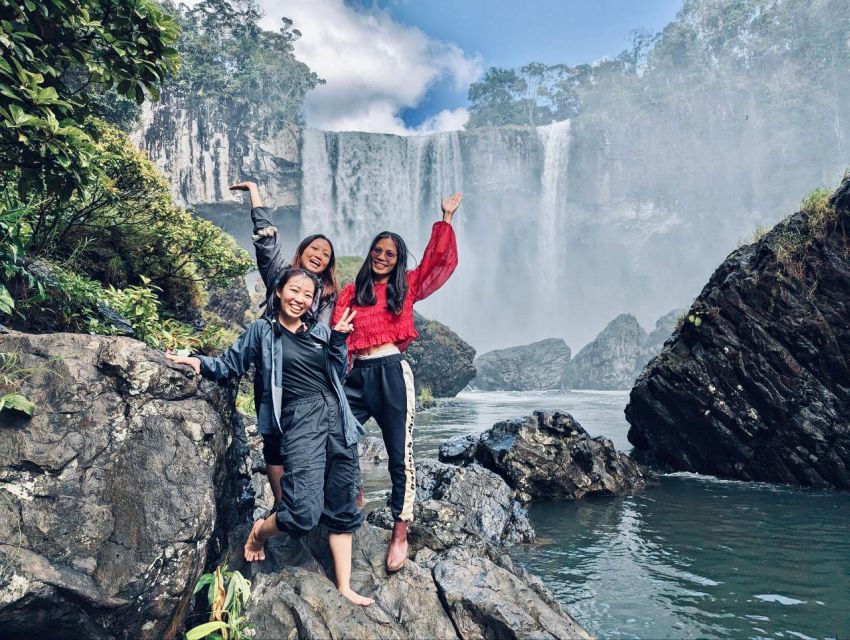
(375, 325)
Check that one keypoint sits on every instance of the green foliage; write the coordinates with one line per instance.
(227, 58)
(119, 228)
(12, 374)
(245, 401)
(228, 593)
(426, 399)
(54, 56)
(818, 210)
(347, 268)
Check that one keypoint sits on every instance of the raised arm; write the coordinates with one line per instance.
(440, 257)
(267, 242)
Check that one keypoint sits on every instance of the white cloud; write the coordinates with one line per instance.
(374, 67)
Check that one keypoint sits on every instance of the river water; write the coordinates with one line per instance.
(694, 557)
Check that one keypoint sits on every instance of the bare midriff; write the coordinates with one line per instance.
(368, 351)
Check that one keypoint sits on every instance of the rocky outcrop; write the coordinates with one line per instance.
(609, 361)
(754, 384)
(461, 505)
(462, 592)
(229, 303)
(664, 328)
(532, 367)
(110, 492)
(203, 147)
(549, 456)
(440, 359)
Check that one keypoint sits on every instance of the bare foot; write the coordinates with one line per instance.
(356, 598)
(254, 549)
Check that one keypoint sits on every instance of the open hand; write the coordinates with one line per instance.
(449, 205)
(192, 361)
(243, 186)
(345, 324)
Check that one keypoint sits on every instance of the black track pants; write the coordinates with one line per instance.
(383, 388)
(321, 474)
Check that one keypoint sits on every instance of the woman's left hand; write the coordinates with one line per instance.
(345, 324)
(449, 205)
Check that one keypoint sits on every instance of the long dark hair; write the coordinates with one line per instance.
(364, 286)
(330, 284)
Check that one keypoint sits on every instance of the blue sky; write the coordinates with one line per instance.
(404, 66)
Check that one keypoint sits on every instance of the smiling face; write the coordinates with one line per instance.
(296, 297)
(383, 258)
(316, 256)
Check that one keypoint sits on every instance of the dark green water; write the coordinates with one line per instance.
(694, 557)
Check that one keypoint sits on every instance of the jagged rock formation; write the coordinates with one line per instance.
(110, 492)
(532, 367)
(754, 383)
(230, 303)
(202, 149)
(664, 327)
(459, 505)
(547, 457)
(440, 359)
(468, 591)
(609, 361)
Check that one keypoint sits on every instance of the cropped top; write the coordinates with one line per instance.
(375, 324)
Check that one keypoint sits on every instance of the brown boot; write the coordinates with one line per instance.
(397, 552)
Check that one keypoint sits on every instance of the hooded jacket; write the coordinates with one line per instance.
(260, 345)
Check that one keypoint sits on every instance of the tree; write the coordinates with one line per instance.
(54, 56)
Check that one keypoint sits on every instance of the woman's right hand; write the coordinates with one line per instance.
(192, 361)
(345, 324)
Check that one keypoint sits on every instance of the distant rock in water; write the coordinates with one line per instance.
(440, 359)
(754, 385)
(664, 328)
(533, 367)
(549, 456)
(609, 361)
(112, 490)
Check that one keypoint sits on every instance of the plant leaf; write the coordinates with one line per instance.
(203, 630)
(17, 402)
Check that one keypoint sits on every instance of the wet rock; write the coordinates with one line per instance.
(110, 490)
(536, 366)
(461, 505)
(229, 303)
(469, 592)
(440, 360)
(459, 449)
(753, 385)
(372, 450)
(550, 456)
(609, 361)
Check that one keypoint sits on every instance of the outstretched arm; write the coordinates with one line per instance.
(233, 363)
(440, 257)
(267, 242)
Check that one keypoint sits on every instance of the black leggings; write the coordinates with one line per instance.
(382, 388)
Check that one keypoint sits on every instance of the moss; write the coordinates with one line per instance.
(347, 268)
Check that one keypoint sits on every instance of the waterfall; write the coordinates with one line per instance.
(555, 139)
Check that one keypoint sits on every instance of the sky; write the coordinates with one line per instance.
(404, 66)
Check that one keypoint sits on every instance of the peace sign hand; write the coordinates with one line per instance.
(449, 205)
(345, 324)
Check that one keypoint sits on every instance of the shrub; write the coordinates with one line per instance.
(228, 593)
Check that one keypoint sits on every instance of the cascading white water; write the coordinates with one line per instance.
(555, 139)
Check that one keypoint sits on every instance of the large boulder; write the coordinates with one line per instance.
(549, 456)
(229, 303)
(110, 492)
(441, 361)
(458, 505)
(754, 383)
(532, 367)
(468, 591)
(609, 361)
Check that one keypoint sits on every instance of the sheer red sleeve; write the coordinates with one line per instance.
(342, 302)
(438, 262)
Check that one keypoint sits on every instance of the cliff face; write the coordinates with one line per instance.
(203, 148)
(754, 383)
(536, 366)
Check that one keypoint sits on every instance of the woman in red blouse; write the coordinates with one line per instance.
(380, 384)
